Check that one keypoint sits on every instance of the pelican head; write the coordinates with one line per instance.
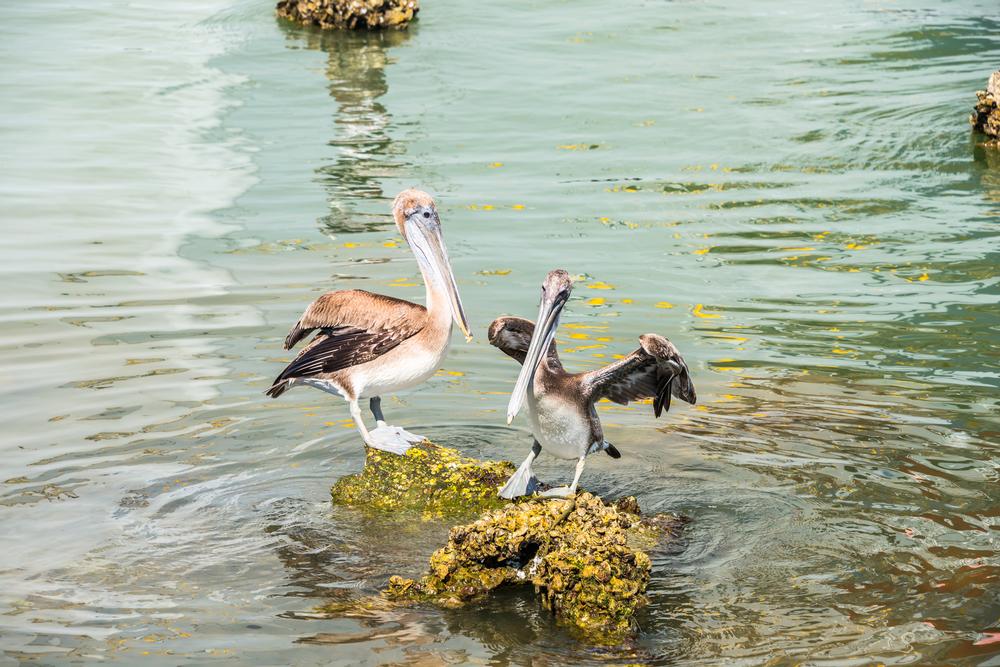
(417, 219)
(555, 293)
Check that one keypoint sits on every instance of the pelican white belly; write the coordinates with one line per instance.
(558, 426)
(402, 368)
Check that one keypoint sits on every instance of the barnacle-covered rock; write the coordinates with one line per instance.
(350, 14)
(985, 117)
(427, 479)
(586, 559)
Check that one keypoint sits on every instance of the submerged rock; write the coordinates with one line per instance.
(350, 14)
(428, 479)
(985, 117)
(585, 558)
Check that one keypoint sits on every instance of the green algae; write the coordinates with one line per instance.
(585, 558)
(430, 480)
(350, 14)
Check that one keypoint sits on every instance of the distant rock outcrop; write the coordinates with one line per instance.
(985, 117)
(350, 14)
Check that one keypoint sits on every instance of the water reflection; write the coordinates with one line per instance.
(829, 271)
(367, 151)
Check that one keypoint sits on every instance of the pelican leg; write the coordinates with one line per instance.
(390, 438)
(377, 439)
(375, 403)
(523, 482)
(567, 491)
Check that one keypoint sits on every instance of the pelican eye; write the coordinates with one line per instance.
(427, 214)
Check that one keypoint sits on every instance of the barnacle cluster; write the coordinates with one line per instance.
(585, 558)
(350, 14)
(431, 480)
(985, 117)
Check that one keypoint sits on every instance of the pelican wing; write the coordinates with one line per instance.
(513, 335)
(355, 327)
(357, 309)
(655, 370)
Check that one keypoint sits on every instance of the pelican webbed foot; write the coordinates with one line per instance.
(566, 491)
(523, 482)
(558, 492)
(392, 438)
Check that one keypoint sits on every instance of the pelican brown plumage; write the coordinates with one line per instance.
(560, 404)
(370, 344)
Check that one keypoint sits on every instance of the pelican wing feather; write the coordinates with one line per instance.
(655, 370)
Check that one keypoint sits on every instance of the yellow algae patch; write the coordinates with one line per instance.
(724, 365)
(390, 244)
(428, 480)
(580, 348)
(494, 272)
(627, 301)
(351, 244)
(518, 207)
(664, 304)
(495, 165)
(702, 251)
(838, 350)
(724, 336)
(586, 560)
(596, 301)
(600, 285)
(401, 282)
(699, 311)
(579, 336)
(923, 277)
(588, 327)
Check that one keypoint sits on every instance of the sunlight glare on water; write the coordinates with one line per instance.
(788, 191)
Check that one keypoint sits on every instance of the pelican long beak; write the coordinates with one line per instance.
(424, 236)
(545, 331)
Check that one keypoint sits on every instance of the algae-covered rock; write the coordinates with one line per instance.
(586, 559)
(432, 480)
(985, 117)
(350, 14)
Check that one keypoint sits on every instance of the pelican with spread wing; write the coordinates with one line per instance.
(560, 405)
(368, 344)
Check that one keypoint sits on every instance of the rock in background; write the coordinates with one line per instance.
(350, 14)
(985, 117)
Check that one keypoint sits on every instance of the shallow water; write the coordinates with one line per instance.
(789, 192)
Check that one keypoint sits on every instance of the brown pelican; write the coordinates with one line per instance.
(561, 404)
(370, 344)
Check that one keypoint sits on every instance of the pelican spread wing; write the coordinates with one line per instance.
(355, 327)
(655, 370)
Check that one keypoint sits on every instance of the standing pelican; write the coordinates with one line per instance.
(560, 404)
(370, 344)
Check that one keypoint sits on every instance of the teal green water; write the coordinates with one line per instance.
(788, 191)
